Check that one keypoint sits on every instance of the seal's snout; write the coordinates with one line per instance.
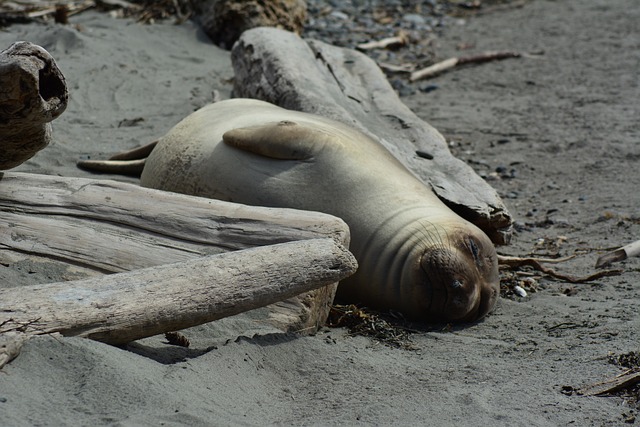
(463, 279)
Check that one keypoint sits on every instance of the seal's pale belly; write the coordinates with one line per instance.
(415, 254)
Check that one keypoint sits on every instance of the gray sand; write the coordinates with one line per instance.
(571, 121)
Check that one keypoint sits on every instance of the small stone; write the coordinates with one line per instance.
(414, 18)
(519, 291)
(339, 15)
(428, 87)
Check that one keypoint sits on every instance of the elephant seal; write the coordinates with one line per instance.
(415, 255)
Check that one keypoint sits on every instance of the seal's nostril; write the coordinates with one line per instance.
(456, 284)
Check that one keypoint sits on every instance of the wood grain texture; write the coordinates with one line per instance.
(123, 307)
(33, 92)
(100, 227)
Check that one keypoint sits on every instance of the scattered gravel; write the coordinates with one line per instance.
(350, 23)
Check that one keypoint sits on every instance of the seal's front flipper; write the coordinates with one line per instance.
(285, 140)
(119, 167)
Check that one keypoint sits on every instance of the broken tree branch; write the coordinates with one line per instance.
(389, 42)
(448, 64)
(624, 380)
(536, 263)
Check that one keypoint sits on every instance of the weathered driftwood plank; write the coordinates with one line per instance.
(106, 226)
(33, 92)
(124, 307)
(345, 85)
(116, 227)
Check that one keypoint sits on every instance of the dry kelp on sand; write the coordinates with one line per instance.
(391, 332)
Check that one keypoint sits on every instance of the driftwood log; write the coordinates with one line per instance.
(99, 227)
(225, 20)
(345, 85)
(92, 227)
(33, 92)
(121, 308)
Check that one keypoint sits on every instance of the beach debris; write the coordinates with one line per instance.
(518, 290)
(386, 43)
(620, 254)
(145, 11)
(536, 263)
(176, 338)
(10, 345)
(625, 384)
(33, 94)
(448, 64)
(13, 12)
(370, 323)
(622, 381)
(513, 284)
(225, 20)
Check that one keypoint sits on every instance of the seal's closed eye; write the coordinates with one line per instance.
(475, 251)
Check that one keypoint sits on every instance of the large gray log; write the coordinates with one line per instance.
(345, 85)
(33, 92)
(101, 226)
(124, 307)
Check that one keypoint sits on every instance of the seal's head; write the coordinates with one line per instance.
(459, 277)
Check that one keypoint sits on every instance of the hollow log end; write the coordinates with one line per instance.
(33, 92)
(32, 71)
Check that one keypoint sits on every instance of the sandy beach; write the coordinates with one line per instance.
(555, 132)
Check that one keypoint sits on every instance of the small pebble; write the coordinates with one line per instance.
(428, 87)
(414, 18)
(339, 15)
(519, 291)
(424, 155)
